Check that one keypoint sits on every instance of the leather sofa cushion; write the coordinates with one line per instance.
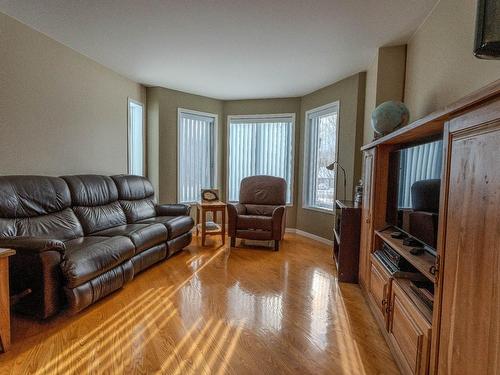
(137, 210)
(254, 222)
(28, 196)
(136, 195)
(98, 218)
(133, 187)
(143, 236)
(37, 206)
(95, 202)
(61, 226)
(91, 190)
(176, 225)
(89, 257)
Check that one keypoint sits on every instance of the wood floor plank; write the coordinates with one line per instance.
(215, 310)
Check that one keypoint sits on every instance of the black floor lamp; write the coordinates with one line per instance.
(331, 167)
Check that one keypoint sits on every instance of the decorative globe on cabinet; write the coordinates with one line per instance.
(389, 116)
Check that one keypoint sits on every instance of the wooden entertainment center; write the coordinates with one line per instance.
(460, 332)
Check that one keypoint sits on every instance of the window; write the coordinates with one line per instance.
(260, 145)
(135, 138)
(196, 154)
(320, 151)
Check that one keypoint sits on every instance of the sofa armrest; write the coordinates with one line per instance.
(32, 245)
(36, 267)
(279, 222)
(233, 210)
(173, 209)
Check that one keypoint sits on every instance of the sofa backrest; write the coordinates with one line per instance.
(37, 206)
(95, 202)
(136, 196)
(263, 190)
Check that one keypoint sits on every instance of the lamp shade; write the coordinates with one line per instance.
(487, 43)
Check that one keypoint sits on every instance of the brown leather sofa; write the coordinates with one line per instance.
(79, 238)
(260, 213)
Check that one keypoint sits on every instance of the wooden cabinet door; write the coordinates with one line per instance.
(379, 287)
(409, 332)
(366, 219)
(469, 334)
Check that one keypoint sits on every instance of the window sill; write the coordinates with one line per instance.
(318, 209)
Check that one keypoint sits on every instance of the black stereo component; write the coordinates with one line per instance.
(395, 258)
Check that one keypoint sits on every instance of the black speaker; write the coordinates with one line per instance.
(487, 43)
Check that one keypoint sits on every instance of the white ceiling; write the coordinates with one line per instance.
(227, 49)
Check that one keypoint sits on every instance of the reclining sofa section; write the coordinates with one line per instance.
(79, 238)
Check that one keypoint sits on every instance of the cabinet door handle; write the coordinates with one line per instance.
(384, 302)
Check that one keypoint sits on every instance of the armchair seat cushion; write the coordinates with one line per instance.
(176, 225)
(89, 257)
(143, 236)
(255, 222)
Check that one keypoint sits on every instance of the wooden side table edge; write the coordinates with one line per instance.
(5, 299)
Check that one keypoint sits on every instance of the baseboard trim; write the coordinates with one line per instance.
(309, 235)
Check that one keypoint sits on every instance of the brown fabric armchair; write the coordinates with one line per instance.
(260, 213)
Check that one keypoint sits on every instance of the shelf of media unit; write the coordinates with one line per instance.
(422, 262)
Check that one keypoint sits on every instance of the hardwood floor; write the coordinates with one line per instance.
(214, 311)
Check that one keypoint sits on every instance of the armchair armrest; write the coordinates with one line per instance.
(279, 222)
(173, 209)
(233, 210)
(32, 245)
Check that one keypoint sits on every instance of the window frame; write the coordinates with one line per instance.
(129, 136)
(215, 116)
(261, 117)
(335, 106)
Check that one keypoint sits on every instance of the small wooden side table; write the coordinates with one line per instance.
(4, 299)
(201, 219)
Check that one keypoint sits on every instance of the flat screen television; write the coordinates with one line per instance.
(413, 191)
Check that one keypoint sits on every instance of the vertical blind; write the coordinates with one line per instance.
(260, 146)
(321, 150)
(196, 164)
(135, 139)
(418, 163)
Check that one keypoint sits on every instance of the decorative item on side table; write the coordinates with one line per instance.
(210, 203)
(209, 195)
(487, 42)
(4, 299)
(346, 240)
(389, 116)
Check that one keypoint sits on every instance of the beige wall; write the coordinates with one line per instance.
(350, 92)
(385, 81)
(163, 138)
(440, 65)
(370, 99)
(60, 112)
(268, 106)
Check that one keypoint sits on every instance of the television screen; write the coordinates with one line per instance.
(413, 192)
